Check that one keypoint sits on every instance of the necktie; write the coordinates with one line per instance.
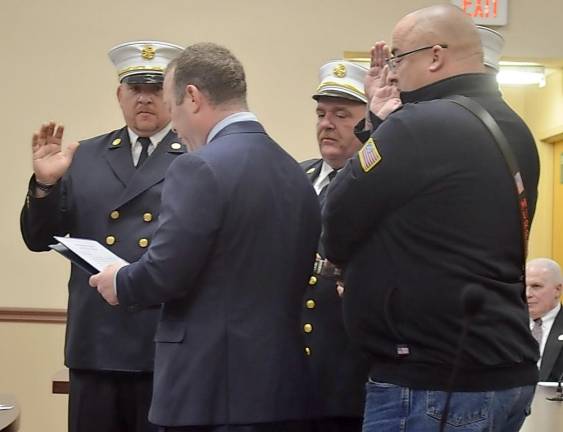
(145, 142)
(322, 193)
(537, 331)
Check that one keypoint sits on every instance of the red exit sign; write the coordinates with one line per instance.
(485, 12)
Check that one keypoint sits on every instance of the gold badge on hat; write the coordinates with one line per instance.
(148, 52)
(339, 71)
(369, 155)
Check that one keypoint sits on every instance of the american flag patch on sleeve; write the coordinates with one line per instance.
(369, 155)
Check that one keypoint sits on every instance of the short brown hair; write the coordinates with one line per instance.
(213, 69)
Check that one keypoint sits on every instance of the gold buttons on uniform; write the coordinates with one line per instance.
(114, 215)
(143, 242)
(147, 217)
(308, 328)
(310, 304)
(313, 280)
(110, 240)
(116, 142)
(308, 351)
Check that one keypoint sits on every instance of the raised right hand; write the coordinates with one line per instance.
(383, 95)
(50, 160)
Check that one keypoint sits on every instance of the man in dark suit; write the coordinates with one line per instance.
(340, 369)
(230, 260)
(543, 293)
(108, 189)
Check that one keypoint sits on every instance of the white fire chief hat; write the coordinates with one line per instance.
(143, 62)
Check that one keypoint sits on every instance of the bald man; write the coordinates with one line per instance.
(425, 222)
(543, 292)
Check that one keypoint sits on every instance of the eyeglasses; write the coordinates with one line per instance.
(393, 61)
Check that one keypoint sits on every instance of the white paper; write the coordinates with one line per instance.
(91, 251)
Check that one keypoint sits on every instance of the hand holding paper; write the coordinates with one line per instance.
(104, 282)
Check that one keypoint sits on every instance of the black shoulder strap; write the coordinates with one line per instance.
(511, 162)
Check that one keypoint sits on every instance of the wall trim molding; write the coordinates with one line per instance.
(32, 315)
(552, 135)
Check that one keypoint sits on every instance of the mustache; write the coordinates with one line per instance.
(144, 110)
(327, 136)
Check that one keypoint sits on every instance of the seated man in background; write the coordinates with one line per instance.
(543, 293)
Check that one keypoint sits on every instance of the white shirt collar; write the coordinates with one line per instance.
(322, 179)
(155, 139)
(548, 317)
(233, 118)
(546, 323)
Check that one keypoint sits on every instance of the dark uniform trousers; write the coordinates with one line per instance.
(109, 401)
(334, 424)
(338, 424)
(294, 426)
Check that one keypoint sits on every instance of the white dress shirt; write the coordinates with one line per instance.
(155, 140)
(322, 179)
(547, 322)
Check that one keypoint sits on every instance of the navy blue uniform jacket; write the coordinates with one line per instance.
(339, 367)
(230, 260)
(102, 196)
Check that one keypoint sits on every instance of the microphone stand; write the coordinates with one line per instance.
(454, 373)
(472, 300)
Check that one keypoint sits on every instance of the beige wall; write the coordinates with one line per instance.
(30, 355)
(54, 66)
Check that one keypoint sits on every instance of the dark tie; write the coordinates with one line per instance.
(537, 331)
(145, 143)
(322, 193)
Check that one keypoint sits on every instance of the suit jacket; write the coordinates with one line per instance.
(230, 260)
(551, 365)
(103, 197)
(340, 369)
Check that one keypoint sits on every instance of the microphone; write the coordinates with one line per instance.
(558, 392)
(472, 300)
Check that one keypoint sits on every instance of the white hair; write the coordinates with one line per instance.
(550, 266)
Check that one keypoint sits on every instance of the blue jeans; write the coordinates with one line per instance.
(390, 408)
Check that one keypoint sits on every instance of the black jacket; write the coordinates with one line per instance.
(551, 366)
(427, 208)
